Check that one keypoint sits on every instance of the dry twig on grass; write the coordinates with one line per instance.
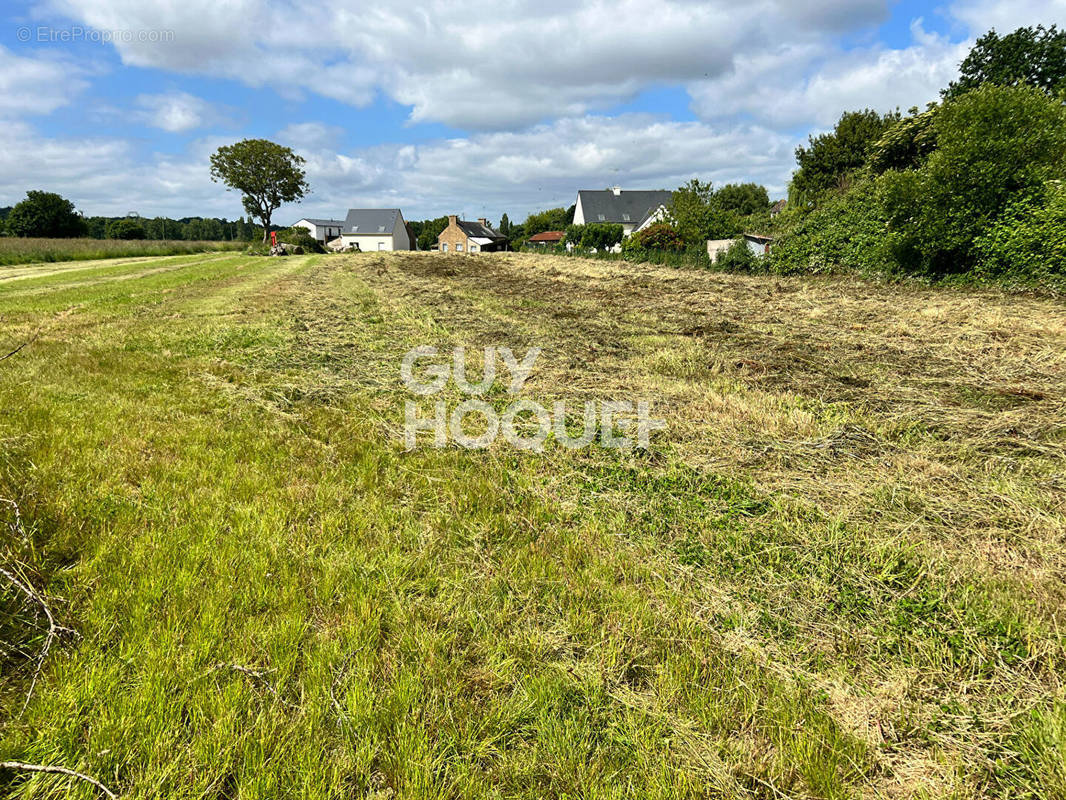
(21, 766)
(54, 629)
(258, 676)
(26, 343)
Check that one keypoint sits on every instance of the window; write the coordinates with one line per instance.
(625, 218)
(381, 245)
(602, 217)
(444, 247)
(381, 228)
(473, 248)
(458, 247)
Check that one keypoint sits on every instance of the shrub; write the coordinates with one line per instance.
(994, 146)
(300, 237)
(1027, 243)
(660, 237)
(847, 231)
(595, 236)
(738, 258)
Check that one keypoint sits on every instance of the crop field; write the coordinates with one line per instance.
(17, 250)
(839, 571)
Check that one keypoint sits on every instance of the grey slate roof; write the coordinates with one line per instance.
(476, 229)
(371, 220)
(323, 222)
(628, 207)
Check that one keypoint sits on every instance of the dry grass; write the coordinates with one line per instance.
(925, 423)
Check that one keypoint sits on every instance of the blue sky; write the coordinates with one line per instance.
(509, 107)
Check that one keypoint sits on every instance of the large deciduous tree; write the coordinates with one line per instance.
(696, 216)
(45, 214)
(1028, 56)
(265, 173)
(829, 157)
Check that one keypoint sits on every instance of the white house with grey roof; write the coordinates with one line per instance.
(374, 229)
(634, 210)
(323, 230)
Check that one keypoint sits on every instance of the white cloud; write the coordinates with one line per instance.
(487, 65)
(983, 15)
(544, 166)
(311, 135)
(483, 175)
(36, 85)
(177, 112)
(771, 86)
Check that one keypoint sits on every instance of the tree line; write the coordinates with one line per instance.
(49, 215)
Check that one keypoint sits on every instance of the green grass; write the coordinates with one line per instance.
(836, 575)
(17, 250)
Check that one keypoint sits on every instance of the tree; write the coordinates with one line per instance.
(45, 214)
(267, 175)
(599, 236)
(554, 219)
(907, 143)
(743, 198)
(431, 229)
(995, 146)
(125, 228)
(695, 215)
(827, 158)
(1028, 56)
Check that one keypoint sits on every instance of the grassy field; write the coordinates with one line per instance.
(17, 250)
(837, 573)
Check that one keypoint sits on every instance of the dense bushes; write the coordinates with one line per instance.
(595, 236)
(660, 237)
(970, 187)
(847, 231)
(1028, 242)
(738, 258)
(995, 146)
(301, 238)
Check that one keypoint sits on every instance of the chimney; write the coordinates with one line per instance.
(617, 190)
(483, 221)
(452, 219)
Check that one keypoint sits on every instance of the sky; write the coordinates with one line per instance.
(480, 108)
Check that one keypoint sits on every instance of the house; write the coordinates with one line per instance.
(462, 236)
(322, 230)
(634, 210)
(777, 208)
(374, 229)
(546, 239)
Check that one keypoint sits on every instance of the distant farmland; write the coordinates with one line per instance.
(17, 250)
(838, 573)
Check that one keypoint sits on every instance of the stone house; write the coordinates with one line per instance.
(462, 236)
